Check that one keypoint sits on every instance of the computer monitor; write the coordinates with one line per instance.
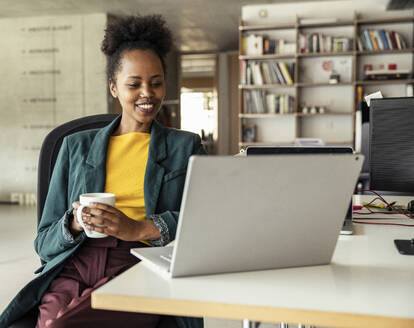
(392, 145)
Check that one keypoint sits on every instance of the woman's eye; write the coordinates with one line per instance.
(156, 84)
(133, 85)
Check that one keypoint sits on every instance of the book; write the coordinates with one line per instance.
(387, 35)
(384, 39)
(373, 41)
(359, 42)
(243, 69)
(278, 72)
(368, 40)
(398, 39)
(285, 72)
(271, 103)
(394, 40)
(378, 39)
(257, 74)
(266, 73)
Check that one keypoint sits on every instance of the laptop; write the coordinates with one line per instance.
(347, 226)
(257, 213)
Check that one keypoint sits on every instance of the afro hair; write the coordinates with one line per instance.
(135, 32)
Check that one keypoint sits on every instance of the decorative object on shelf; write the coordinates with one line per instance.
(327, 66)
(313, 110)
(249, 133)
(386, 72)
(334, 78)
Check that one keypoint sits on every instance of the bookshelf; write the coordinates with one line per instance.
(338, 45)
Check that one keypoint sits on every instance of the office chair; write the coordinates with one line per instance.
(47, 158)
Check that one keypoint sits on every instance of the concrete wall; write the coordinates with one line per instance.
(52, 71)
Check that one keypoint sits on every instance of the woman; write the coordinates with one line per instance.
(134, 157)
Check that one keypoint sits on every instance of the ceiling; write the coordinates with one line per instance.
(198, 25)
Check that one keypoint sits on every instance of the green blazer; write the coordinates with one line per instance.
(81, 168)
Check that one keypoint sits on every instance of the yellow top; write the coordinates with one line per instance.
(125, 171)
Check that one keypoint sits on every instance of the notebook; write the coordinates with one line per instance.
(257, 213)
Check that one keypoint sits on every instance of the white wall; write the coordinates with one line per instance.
(343, 9)
(52, 71)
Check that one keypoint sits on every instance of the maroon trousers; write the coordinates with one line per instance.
(67, 302)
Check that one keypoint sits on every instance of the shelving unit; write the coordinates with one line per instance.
(337, 125)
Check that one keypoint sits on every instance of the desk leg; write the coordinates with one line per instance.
(250, 324)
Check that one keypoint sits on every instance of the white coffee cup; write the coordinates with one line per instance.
(85, 200)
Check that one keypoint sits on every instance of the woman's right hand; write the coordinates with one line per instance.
(75, 227)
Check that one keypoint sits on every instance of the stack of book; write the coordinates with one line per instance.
(372, 40)
(260, 101)
(317, 42)
(266, 72)
(256, 45)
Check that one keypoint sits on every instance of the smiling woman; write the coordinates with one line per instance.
(140, 88)
(132, 158)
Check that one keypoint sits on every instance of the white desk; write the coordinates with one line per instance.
(368, 284)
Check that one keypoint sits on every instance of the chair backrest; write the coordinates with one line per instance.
(51, 146)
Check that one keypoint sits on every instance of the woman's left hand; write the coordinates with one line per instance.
(115, 223)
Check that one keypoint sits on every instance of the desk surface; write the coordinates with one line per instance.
(368, 283)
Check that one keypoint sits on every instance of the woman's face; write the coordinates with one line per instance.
(140, 87)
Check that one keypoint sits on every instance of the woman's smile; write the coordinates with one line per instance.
(146, 107)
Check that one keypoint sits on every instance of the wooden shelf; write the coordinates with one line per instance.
(323, 84)
(267, 56)
(265, 86)
(265, 115)
(266, 143)
(372, 82)
(287, 143)
(326, 54)
(390, 20)
(331, 24)
(287, 26)
(273, 115)
(381, 52)
(324, 114)
(337, 143)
